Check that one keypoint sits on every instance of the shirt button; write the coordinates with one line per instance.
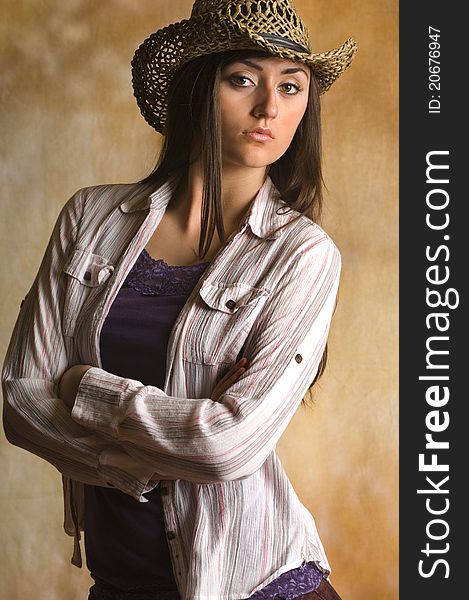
(230, 304)
(170, 535)
(298, 358)
(87, 276)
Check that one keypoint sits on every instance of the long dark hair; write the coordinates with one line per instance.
(193, 120)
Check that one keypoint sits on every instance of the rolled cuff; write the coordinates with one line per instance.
(99, 407)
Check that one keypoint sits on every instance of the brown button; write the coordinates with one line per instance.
(87, 276)
(230, 304)
(298, 358)
(170, 535)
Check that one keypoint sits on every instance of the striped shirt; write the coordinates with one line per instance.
(234, 522)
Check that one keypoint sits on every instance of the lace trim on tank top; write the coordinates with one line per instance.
(151, 276)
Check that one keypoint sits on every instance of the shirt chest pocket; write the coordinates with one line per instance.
(222, 318)
(85, 274)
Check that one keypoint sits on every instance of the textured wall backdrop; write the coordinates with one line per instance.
(69, 120)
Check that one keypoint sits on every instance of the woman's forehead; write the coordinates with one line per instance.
(269, 61)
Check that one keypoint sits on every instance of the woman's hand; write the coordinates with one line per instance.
(229, 378)
(69, 382)
(225, 382)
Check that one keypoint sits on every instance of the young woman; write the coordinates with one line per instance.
(176, 324)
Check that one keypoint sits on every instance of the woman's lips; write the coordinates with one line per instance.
(259, 134)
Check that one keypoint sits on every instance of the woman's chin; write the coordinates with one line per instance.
(253, 160)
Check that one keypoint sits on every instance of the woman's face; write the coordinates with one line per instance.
(262, 102)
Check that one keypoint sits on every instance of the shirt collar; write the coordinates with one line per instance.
(262, 216)
(142, 198)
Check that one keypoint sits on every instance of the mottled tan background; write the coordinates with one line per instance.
(69, 120)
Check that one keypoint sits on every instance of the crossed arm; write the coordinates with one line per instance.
(70, 382)
(117, 431)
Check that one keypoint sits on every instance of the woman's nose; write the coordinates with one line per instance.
(266, 104)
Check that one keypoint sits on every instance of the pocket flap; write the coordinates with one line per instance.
(90, 269)
(230, 297)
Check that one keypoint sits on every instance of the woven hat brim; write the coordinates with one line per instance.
(326, 66)
(164, 52)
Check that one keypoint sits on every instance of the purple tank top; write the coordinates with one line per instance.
(125, 540)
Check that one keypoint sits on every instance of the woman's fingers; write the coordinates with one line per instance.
(69, 382)
(230, 377)
(234, 370)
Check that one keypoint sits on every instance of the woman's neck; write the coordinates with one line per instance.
(239, 187)
(176, 239)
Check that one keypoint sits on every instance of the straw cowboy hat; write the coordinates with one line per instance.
(221, 25)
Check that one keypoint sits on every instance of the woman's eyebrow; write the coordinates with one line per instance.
(291, 70)
(288, 71)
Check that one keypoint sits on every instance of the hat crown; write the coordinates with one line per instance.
(202, 7)
(258, 17)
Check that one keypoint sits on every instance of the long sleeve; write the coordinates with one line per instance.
(204, 441)
(34, 418)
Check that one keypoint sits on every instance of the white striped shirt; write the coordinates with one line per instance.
(233, 521)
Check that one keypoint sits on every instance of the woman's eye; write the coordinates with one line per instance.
(240, 80)
(290, 88)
